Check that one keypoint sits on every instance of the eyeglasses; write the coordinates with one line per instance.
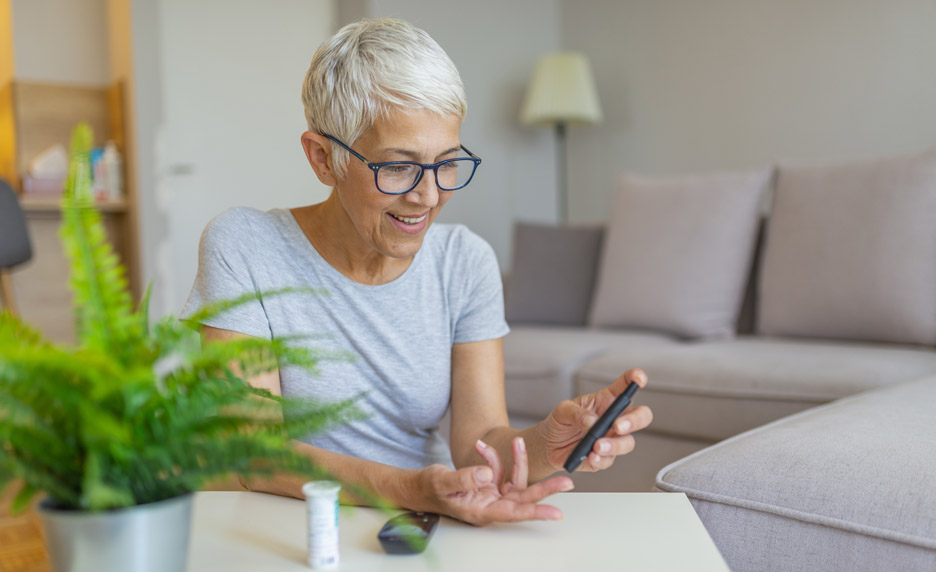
(399, 177)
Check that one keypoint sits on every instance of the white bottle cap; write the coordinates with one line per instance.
(321, 488)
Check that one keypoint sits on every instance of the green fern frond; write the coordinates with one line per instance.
(302, 417)
(103, 306)
(141, 412)
(104, 310)
(215, 309)
(14, 332)
(78, 184)
(97, 494)
(143, 310)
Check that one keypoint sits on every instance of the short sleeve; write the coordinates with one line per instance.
(226, 265)
(481, 315)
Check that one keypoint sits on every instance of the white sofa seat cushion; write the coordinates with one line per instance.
(540, 361)
(847, 487)
(717, 389)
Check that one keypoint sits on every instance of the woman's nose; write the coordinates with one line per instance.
(426, 192)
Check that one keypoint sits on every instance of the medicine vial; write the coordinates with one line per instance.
(322, 506)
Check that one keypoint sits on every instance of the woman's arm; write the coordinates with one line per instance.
(479, 411)
(470, 493)
(389, 483)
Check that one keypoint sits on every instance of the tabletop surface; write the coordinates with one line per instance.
(234, 531)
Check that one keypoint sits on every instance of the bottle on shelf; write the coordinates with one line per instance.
(113, 171)
(107, 174)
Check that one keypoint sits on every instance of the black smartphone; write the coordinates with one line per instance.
(597, 431)
(408, 533)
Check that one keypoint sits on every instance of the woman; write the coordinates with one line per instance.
(419, 304)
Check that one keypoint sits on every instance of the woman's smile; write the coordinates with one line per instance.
(412, 224)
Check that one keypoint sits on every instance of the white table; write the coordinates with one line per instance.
(234, 531)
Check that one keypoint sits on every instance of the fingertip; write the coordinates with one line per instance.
(622, 426)
(602, 447)
(521, 444)
(589, 420)
(639, 377)
(483, 475)
(554, 514)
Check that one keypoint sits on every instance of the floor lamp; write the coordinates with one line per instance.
(562, 93)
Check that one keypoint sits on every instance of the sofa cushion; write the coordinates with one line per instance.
(713, 390)
(747, 320)
(851, 252)
(540, 362)
(850, 486)
(553, 274)
(677, 253)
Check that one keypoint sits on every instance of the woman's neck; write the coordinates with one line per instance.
(334, 237)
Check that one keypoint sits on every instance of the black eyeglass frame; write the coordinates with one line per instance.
(375, 167)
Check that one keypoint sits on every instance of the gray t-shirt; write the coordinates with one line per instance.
(401, 332)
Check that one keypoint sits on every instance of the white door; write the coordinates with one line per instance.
(231, 75)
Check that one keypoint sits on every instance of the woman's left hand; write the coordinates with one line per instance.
(571, 419)
(480, 501)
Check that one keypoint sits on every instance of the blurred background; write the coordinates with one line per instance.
(203, 100)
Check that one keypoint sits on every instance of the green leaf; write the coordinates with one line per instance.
(214, 309)
(78, 184)
(143, 309)
(142, 411)
(99, 495)
(102, 302)
(14, 333)
(22, 498)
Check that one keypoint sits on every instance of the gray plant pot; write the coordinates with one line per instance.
(145, 538)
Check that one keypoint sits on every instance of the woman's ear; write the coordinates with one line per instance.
(318, 151)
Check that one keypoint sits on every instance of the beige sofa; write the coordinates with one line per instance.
(741, 320)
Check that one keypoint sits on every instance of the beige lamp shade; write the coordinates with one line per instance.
(562, 91)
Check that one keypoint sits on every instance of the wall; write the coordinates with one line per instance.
(698, 86)
(685, 87)
(145, 96)
(61, 41)
(218, 100)
(218, 115)
(495, 56)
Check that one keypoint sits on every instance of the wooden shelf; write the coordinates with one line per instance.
(52, 204)
(22, 545)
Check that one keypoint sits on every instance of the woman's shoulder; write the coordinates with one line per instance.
(237, 218)
(456, 238)
(459, 248)
(243, 223)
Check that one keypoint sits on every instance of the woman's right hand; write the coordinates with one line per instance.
(480, 495)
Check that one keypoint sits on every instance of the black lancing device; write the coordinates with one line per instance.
(600, 427)
(408, 533)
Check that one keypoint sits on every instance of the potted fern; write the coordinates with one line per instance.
(118, 431)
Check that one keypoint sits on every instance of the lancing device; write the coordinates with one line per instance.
(600, 427)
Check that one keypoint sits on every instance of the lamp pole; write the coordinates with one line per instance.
(561, 91)
(563, 187)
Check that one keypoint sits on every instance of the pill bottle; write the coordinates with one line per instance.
(322, 508)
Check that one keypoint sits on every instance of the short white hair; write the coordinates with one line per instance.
(370, 68)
